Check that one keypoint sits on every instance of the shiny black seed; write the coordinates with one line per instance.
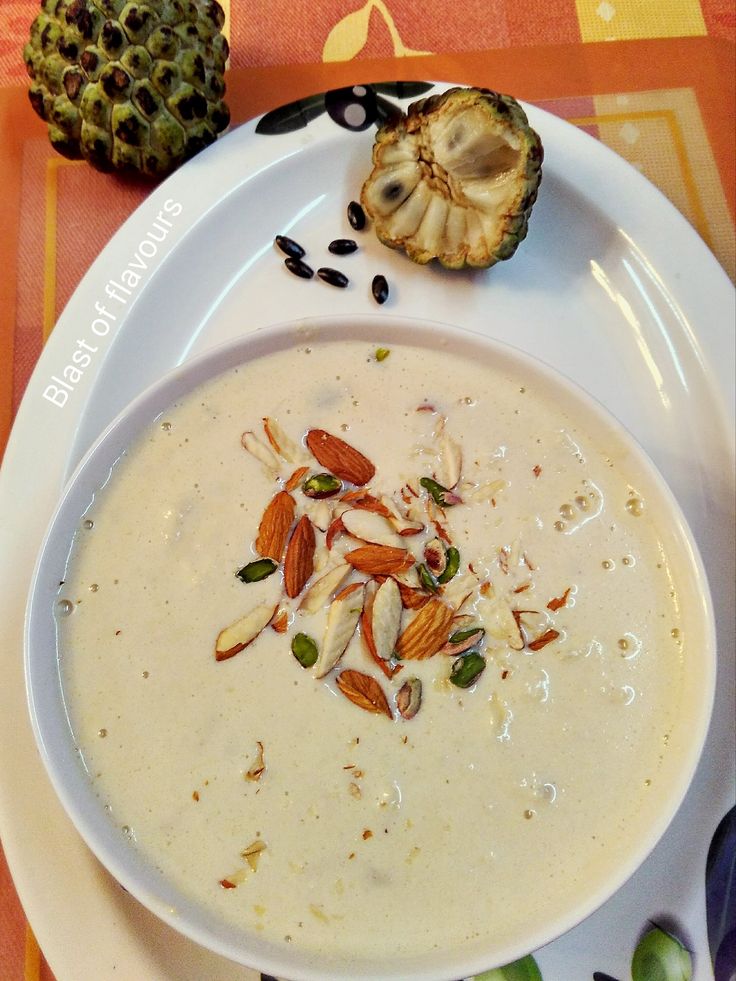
(333, 276)
(299, 268)
(342, 246)
(379, 288)
(289, 247)
(356, 216)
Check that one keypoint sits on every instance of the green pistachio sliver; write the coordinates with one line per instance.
(382, 353)
(460, 635)
(427, 579)
(304, 650)
(321, 485)
(257, 570)
(441, 495)
(467, 669)
(453, 564)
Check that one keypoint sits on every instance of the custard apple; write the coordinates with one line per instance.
(455, 178)
(129, 86)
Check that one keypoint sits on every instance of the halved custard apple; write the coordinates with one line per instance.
(455, 178)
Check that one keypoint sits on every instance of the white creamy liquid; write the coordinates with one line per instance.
(490, 810)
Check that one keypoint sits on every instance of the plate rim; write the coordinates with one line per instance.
(559, 129)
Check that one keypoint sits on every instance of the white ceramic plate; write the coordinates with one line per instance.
(612, 287)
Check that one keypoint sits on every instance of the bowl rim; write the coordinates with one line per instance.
(45, 697)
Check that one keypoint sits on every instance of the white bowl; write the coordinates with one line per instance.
(51, 722)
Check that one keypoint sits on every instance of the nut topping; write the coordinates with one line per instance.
(339, 457)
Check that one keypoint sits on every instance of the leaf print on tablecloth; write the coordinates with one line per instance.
(720, 898)
(349, 36)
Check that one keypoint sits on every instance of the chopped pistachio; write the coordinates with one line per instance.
(322, 485)
(304, 650)
(460, 635)
(467, 669)
(382, 353)
(440, 495)
(427, 579)
(453, 564)
(257, 570)
(409, 698)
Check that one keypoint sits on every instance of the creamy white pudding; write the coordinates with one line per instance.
(284, 806)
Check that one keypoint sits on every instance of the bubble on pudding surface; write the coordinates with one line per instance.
(64, 608)
(629, 645)
(635, 506)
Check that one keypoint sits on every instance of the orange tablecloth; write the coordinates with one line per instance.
(653, 79)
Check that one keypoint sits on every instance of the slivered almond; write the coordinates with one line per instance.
(299, 561)
(321, 591)
(280, 622)
(339, 457)
(386, 618)
(367, 502)
(450, 461)
(369, 526)
(274, 527)
(336, 526)
(242, 632)
(547, 637)
(558, 602)
(380, 559)
(364, 691)
(286, 448)
(260, 451)
(342, 619)
(293, 482)
(412, 599)
(426, 633)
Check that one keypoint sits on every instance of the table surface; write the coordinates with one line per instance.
(652, 79)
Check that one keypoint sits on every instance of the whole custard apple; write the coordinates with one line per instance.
(129, 86)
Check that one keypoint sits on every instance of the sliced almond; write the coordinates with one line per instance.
(286, 448)
(260, 451)
(411, 598)
(366, 630)
(242, 632)
(339, 457)
(386, 618)
(427, 632)
(377, 560)
(252, 853)
(342, 619)
(259, 765)
(500, 623)
(364, 691)
(322, 590)
(299, 561)
(274, 527)
(369, 526)
(321, 514)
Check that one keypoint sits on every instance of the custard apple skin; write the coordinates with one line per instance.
(127, 86)
(455, 179)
